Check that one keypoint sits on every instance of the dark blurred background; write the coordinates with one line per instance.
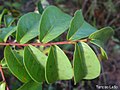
(99, 13)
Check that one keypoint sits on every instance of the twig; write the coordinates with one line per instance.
(3, 77)
(43, 44)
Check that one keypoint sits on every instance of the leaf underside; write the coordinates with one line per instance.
(100, 37)
(58, 66)
(86, 64)
(31, 85)
(15, 64)
(34, 61)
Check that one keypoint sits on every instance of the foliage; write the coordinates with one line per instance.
(2, 85)
(33, 67)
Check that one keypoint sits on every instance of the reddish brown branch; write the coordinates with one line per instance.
(44, 44)
(2, 74)
(37, 44)
(3, 77)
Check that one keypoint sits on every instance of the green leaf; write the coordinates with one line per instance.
(16, 5)
(31, 85)
(79, 66)
(28, 27)
(40, 7)
(15, 64)
(35, 62)
(20, 52)
(2, 85)
(79, 28)
(8, 20)
(6, 32)
(103, 54)
(3, 63)
(53, 23)
(86, 64)
(1, 15)
(58, 66)
(100, 45)
(100, 37)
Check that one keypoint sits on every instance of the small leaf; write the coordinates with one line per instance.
(1, 15)
(86, 64)
(53, 23)
(40, 7)
(16, 5)
(2, 85)
(103, 53)
(15, 64)
(58, 66)
(100, 44)
(35, 62)
(79, 28)
(28, 27)
(31, 85)
(3, 63)
(6, 32)
(8, 20)
(100, 37)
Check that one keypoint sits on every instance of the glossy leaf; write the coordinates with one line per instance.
(28, 27)
(15, 64)
(2, 85)
(6, 32)
(79, 28)
(31, 85)
(100, 37)
(53, 23)
(58, 66)
(35, 62)
(86, 63)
